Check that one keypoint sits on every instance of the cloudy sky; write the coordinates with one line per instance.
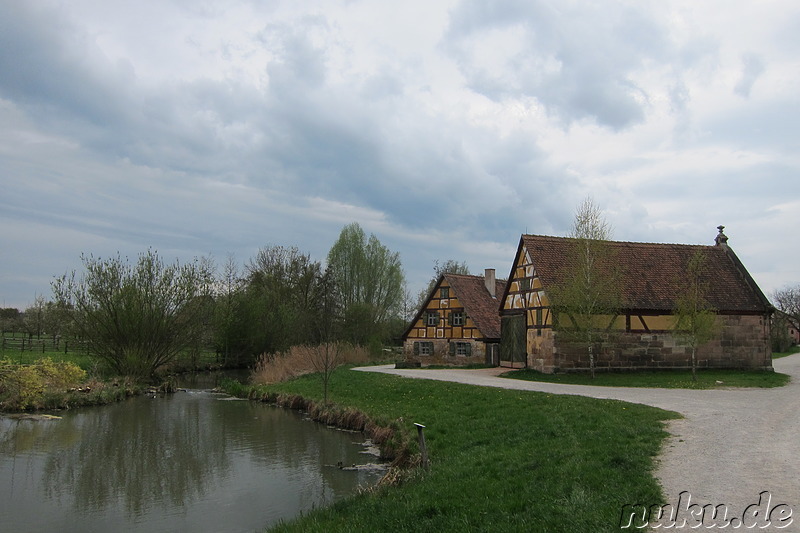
(446, 128)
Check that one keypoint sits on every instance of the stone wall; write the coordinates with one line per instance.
(441, 353)
(741, 342)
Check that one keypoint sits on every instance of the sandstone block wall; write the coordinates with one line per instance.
(741, 342)
(441, 353)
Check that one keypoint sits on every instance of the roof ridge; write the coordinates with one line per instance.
(476, 276)
(555, 237)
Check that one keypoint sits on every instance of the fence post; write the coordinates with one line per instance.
(65, 346)
(23, 345)
(422, 448)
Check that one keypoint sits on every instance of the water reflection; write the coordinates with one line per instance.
(192, 460)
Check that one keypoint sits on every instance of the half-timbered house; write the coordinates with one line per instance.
(641, 335)
(459, 322)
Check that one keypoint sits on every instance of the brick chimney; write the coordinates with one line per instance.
(721, 239)
(488, 278)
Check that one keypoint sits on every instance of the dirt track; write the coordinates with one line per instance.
(731, 445)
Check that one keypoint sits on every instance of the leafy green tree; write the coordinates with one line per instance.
(136, 317)
(695, 319)
(369, 281)
(277, 302)
(588, 302)
(10, 320)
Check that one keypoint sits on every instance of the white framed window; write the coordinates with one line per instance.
(432, 318)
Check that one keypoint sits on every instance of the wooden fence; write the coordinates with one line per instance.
(43, 345)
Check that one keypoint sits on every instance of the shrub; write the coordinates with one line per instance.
(32, 386)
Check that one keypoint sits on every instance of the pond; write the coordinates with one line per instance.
(191, 461)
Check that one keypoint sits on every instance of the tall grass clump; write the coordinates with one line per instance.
(300, 360)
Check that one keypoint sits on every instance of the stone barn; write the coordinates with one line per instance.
(641, 334)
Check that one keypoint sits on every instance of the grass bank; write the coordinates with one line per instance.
(500, 460)
(663, 379)
(792, 350)
(47, 384)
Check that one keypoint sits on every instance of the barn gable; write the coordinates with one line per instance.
(650, 278)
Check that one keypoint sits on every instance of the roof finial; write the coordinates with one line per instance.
(721, 239)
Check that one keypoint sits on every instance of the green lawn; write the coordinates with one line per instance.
(792, 350)
(501, 460)
(665, 379)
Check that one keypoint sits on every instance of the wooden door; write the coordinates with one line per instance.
(513, 343)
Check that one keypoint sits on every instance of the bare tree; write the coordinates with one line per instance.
(451, 266)
(695, 318)
(34, 317)
(588, 301)
(787, 301)
(228, 286)
(326, 355)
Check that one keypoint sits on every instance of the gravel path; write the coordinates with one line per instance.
(731, 445)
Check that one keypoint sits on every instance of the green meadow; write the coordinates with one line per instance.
(500, 460)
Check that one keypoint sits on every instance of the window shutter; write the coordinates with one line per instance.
(416, 348)
(469, 349)
(450, 318)
(452, 348)
(436, 319)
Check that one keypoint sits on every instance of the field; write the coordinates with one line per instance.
(21, 349)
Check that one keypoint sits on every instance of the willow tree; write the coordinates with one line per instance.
(369, 282)
(137, 317)
(695, 319)
(587, 301)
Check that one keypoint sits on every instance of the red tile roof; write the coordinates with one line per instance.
(652, 274)
(478, 303)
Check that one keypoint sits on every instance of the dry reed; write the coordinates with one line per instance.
(298, 360)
